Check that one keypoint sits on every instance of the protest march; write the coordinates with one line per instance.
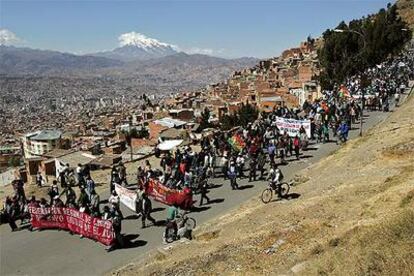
(184, 176)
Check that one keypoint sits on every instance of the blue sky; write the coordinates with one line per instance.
(229, 28)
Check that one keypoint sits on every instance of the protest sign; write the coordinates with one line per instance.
(161, 193)
(292, 126)
(74, 221)
(127, 197)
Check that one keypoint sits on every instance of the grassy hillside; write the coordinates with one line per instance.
(354, 217)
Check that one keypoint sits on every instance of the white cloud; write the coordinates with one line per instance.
(8, 38)
(203, 51)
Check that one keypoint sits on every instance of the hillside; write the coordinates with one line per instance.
(21, 61)
(180, 70)
(406, 11)
(354, 216)
(173, 72)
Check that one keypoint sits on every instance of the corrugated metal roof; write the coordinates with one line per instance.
(46, 135)
(170, 122)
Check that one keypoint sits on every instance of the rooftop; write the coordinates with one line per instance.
(169, 122)
(45, 135)
(272, 99)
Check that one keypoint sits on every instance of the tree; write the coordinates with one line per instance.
(347, 53)
(205, 119)
(246, 114)
(14, 161)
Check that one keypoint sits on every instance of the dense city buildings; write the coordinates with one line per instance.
(43, 114)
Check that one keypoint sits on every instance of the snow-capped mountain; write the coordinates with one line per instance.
(136, 46)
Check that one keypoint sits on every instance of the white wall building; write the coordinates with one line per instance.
(40, 142)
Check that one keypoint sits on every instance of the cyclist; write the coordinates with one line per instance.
(276, 177)
(172, 214)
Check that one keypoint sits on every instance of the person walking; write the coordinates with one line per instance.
(53, 191)
(10, 213)
(95, 202)
(114, 179)
(116, 220)
(122, 174)
(39, 179)
(261, 161)
(232, 175)
(138, 200)
(253, 167)
(70, 196)
(296, 145)
(146, 210)
(83, 199)
(240, 165)
(79, 175)
(203, 192)
(90, 186)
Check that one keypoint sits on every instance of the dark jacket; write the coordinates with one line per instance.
(147, 206)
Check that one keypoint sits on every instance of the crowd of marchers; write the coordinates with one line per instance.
(263, 148)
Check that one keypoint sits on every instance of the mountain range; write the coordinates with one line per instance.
(147, 61)
(149, 64)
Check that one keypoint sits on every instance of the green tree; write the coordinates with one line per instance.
(14, 161)
(205, 117)
(246, 114)
(347, 53)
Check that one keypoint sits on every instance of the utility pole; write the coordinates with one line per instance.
(364, 79)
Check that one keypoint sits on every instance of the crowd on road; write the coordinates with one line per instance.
(258, 149)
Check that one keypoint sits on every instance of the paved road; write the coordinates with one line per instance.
(56, 252)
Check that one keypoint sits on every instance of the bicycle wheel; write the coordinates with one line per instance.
(190, 223)
(170, 236)
(267, 195)
(284, 189)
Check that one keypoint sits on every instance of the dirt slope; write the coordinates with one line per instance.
(355, 216)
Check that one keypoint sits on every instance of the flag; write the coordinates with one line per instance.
(237, 142)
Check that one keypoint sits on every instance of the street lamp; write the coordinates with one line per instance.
(362, 77)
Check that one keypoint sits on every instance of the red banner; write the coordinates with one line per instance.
(161, 193)
(73, 220)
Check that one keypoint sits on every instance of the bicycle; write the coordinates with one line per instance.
(267, 193)
(181, 228)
